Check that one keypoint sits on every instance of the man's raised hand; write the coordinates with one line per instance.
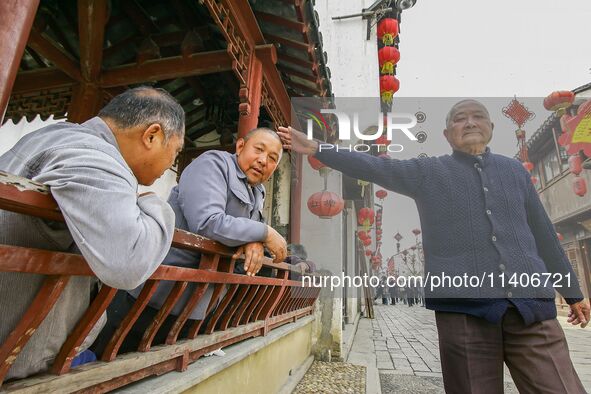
(297, 141)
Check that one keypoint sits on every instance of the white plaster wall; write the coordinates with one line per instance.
(352, 59)
(353, 63)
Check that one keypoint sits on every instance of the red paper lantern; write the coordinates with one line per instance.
(560, 236)
(579, 186)
(325, 204)
(387, 30)
(559, 100)
(315, 163)
(381, 194)
(383, 140)
(576, 136)
(389, 85)
(528, 166)
(365, 217)
(388, 57)
(575, 164)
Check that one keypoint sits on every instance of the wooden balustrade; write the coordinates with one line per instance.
(241, 306)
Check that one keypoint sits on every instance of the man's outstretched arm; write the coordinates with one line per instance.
(401, 176)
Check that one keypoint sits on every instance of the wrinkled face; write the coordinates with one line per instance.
(158, 158)
(258, 157)
(469, 128)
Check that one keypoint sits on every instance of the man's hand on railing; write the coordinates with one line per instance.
(254, 255)
(276, 244)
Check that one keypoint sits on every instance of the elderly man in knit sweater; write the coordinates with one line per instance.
(480, 214)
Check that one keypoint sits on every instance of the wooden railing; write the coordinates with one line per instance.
(250, 306)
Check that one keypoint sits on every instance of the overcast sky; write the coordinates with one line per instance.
(477, 48)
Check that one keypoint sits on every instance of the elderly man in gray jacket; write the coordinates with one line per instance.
(93, 170)
(220, 196)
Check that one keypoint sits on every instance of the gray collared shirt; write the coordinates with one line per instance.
(122, 237)
(213, 199)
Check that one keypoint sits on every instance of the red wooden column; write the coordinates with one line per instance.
(87, 97)
(250, 97)
(16, 20)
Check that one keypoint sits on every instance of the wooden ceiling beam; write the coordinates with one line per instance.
(298, 62)
(290, 43)
(295, 73)
(36, 57)
(40, 79)
(92, 18)
(50, 50)
(280, 21)
(302, 87)
(59, 34)
(246, 22)
(268, 56)
(168, 68)
(194, 83)
(139, 17)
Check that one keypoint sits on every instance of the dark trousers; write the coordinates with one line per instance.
(116, 312)
(473, 350)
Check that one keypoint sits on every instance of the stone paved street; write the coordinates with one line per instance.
(400, 349)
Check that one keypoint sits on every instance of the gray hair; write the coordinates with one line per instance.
(453, 109)
(143, 106)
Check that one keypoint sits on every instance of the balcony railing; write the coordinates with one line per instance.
(241, 306)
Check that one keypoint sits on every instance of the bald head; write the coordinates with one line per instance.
(258, 154)
(458, 105)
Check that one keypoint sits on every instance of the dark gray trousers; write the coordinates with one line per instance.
(473, 350)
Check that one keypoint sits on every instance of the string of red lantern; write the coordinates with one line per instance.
(576, 133)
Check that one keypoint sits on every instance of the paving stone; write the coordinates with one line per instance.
(411, 342)
(332, 377)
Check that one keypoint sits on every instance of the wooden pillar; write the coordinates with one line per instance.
(87, 99)
(250, 97)
(16, 20)
(295, 214)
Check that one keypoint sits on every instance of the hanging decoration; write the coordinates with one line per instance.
(388, 57)
(559, 101)
(389, 85)
(520, 115)
(560, 236)
(365, 218)
(325, 204)
(576, 130)
(576, 133)
(529, 166)
(579, 186)
(391, 266)
(318, 166)
(388, 30)
(381, 194)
